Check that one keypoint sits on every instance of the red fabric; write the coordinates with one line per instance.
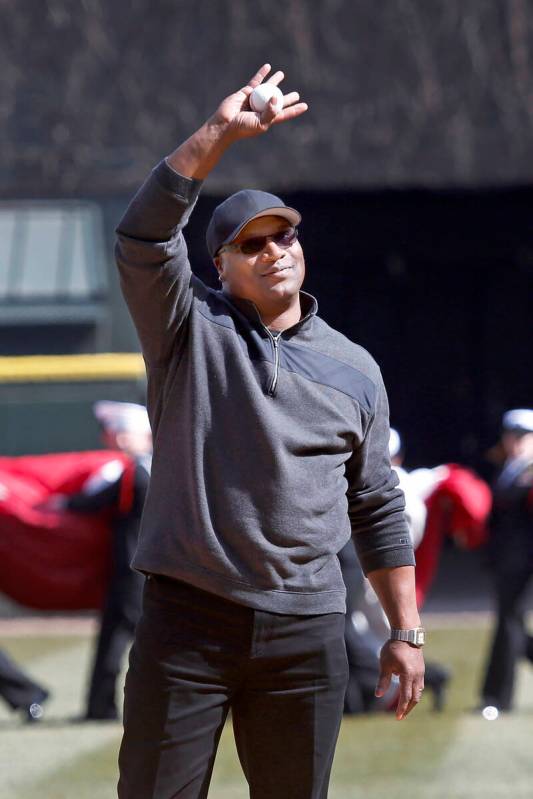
(458, 506)
(52, 560)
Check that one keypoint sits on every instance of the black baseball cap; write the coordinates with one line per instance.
(236, 211)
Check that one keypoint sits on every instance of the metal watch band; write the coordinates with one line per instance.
(416, 636)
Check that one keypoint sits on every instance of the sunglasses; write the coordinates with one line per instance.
(253, 246)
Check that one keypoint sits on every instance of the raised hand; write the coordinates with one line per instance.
(240, 121)
(233, 120)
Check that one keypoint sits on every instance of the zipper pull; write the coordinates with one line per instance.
(274, 383)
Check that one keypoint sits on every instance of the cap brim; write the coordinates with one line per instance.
(290, 214)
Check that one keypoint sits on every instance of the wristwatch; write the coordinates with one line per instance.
(416, 636)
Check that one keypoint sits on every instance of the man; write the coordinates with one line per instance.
(270, 447)
(121, 490)
(511, 558)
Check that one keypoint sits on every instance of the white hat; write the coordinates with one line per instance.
(519, 420)
(122, 417)
(395, 443)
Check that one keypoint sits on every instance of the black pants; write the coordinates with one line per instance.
(510, 641)
(117, 625)
(194, 657)
(120, 614)
(18, 690)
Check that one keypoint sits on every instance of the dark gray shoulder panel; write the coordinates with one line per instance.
(319, 336)
(330, 372)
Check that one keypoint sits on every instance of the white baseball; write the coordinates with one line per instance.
(262, 94)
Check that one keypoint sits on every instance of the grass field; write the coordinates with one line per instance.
(453, 755)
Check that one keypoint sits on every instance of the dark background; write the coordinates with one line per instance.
(413, 169)
(437, 286)
(401, 92)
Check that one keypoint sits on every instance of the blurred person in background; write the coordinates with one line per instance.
(415, 508)
(125, 428)
(365, 630)
(17, 689)
(20, 691)
(510, 551)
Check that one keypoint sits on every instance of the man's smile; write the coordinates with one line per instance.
(277, 270)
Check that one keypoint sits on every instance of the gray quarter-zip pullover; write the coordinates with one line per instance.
(269, 450)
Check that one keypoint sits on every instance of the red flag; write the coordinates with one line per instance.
(49, 559)
(458, 506)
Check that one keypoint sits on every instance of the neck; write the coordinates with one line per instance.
(281, 319)
(275, 317)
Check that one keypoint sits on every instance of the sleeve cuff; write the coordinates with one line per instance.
(384, 549)
(388, 559)
(187, 189)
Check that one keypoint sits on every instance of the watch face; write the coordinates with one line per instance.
(420, 637)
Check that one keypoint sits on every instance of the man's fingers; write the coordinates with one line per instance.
(410, 696)
(276, 78)
(290, 113)
(271, 109)
(383, 684)
(413, 703)
(258, 78)
(406, 689)
(290, 99)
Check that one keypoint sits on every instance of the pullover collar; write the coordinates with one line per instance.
(308, 304)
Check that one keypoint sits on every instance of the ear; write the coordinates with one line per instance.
(217, 260)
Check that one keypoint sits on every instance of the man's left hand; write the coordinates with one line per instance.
(407, 662)
(239, 121)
